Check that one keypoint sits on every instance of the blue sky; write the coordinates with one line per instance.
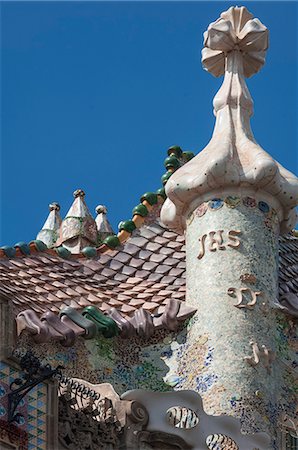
(94, 93)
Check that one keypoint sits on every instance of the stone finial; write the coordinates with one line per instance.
(50, 230)
(101, 209)
(54, 206)
(235, 30)
(79, 193)
(232, 162)
(78, 229)
(103, 225)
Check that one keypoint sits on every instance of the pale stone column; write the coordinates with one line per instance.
(232, 272)
(232, 201)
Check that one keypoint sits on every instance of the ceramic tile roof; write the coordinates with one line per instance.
(145, 272)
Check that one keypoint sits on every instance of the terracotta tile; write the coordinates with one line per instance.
(155, 276)
(58, 284)
(93, 265)
(179, 281)
(115, 265)
(104, 307)
(49, 287)
(40, 290)
(166, 251)
(136, 302)
(127, 270)
(156, 257)
(150, 266)
(170, 235)
(114, 303)
(71, 292)
(101, 295)
(103, 258)
(134, 280)
(143, 295)
(157, 229)
(150, 306)
(136, 262)
(157, 299)
(23, 274)
(164, 293)
(163, 269)
(176, 272)
(56, 275)
(161, 240)
(168, 280)
(52, 298)
(92, 298)
(123, 257)
(130, 248)
(127, 308)
(179, 295)
(99, 278)
(112, 283)
(120, 277)
(182, 288)
(142, 274)
(32, 272)
(175, 245)
(108, 272)
(7, 263)
(152, 246)
(81, 290)
(82, 302)
(158, 286)
(144, 254)
(123, 298)
(139, 241)
(171, 261)
(61, 295)
(18, 263)
(147, 233)
(74, 304)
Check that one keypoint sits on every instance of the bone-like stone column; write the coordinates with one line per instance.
(232, 201)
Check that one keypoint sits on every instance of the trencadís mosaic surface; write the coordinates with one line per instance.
(32, 421)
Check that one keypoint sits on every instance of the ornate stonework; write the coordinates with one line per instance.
(234, 45)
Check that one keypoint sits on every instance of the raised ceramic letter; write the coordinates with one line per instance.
(234, 242)
(264, 356)
(239, 294)
(216, 241)
(202, 241)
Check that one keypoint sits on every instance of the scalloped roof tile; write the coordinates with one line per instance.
(146, 271)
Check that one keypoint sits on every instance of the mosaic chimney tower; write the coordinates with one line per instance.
(232, 201)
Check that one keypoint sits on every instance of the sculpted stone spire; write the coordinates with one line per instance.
(50, 230)
(233, 200)
(234, 46)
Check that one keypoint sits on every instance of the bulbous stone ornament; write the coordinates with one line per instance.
(236, 29)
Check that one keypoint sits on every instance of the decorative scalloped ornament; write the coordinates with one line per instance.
(235, 28)
(232, 160)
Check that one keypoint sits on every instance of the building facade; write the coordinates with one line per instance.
(179, 331)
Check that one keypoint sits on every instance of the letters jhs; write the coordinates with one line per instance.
(216, 240)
